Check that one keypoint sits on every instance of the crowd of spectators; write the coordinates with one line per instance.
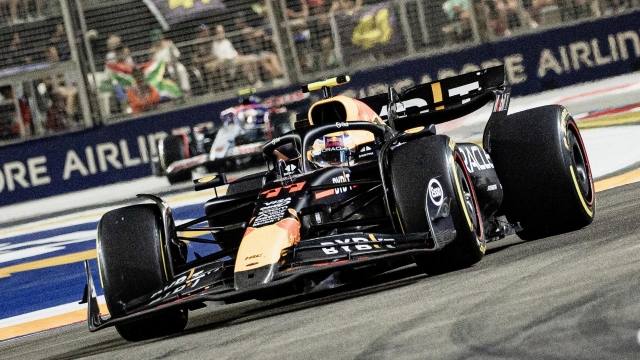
(504, 17)
(213, 60)
(228, 60)
(310, 22)
(258, 46)
(20, 11)
(37, 105)
(236, 49)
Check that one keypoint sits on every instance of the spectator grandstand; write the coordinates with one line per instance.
(92, 47)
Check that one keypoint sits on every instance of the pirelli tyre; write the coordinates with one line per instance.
(170, 149)
(543, 167)
(131, 262)
(420, 167)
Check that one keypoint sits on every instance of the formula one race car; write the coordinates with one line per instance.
(237, 141)
(359, 187)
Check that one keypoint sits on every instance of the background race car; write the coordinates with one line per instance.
(359, 187)
(235, 143)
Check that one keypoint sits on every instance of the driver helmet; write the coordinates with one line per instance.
(250, 100)
(229, 116)
(338, 148)
(335, 149)
(253, 114)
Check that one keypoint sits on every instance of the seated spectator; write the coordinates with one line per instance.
(141, 96)
(8, 117)
(533, 10)
(4, 12)
(297, 14)
(201, 54)
(58, 119)
(297, 9)
(319, 28)
(349, 6)
(459, 27)
(38, 8)
(24, 4)
(615, 6)
(202, 49)
(117, 53)
(16, 54)
(62, 85)
(503, 16)
(254, 43)
(228, 59)
(51, 54)
(118, 65)
(577, 9)
(14, 122)
(166, 51)
(59, 41)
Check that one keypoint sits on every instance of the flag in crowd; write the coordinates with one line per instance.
(175, 11)
(120, 76)
(373, 31)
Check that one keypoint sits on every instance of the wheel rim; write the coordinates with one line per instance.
(469, 201)
(580, 165)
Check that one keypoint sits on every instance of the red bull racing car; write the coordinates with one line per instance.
(359, 187)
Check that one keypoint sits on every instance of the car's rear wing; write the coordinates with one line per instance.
(443, 100)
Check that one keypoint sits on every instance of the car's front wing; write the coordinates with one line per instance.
(312, 258)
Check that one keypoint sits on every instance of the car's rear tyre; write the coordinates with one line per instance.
(413, 166)
(131, 262)
(171, 149)
(179, 177)
(469, 246)
(543, 167)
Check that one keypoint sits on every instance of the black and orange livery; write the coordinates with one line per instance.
(400, 194)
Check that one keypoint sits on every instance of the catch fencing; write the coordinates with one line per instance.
(68, 63)
(105, 146)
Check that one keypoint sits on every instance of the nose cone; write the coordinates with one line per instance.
(260, 251)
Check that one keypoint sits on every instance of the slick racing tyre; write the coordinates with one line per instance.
(179, 177)
(458, 228)
(469, 246)
(171, 149)
(130, 259)
(543, 167)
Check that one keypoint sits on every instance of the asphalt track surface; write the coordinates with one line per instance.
(572, 296)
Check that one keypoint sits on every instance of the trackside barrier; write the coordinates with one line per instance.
(90, 158)
(120, 152)
(533, 63)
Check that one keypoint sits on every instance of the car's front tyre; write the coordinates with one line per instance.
(457, 222)
(131, 260)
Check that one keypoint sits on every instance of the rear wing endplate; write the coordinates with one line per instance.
(443, 100)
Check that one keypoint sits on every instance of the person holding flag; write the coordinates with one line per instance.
(141, 96)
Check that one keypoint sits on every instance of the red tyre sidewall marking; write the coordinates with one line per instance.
(460, 162)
